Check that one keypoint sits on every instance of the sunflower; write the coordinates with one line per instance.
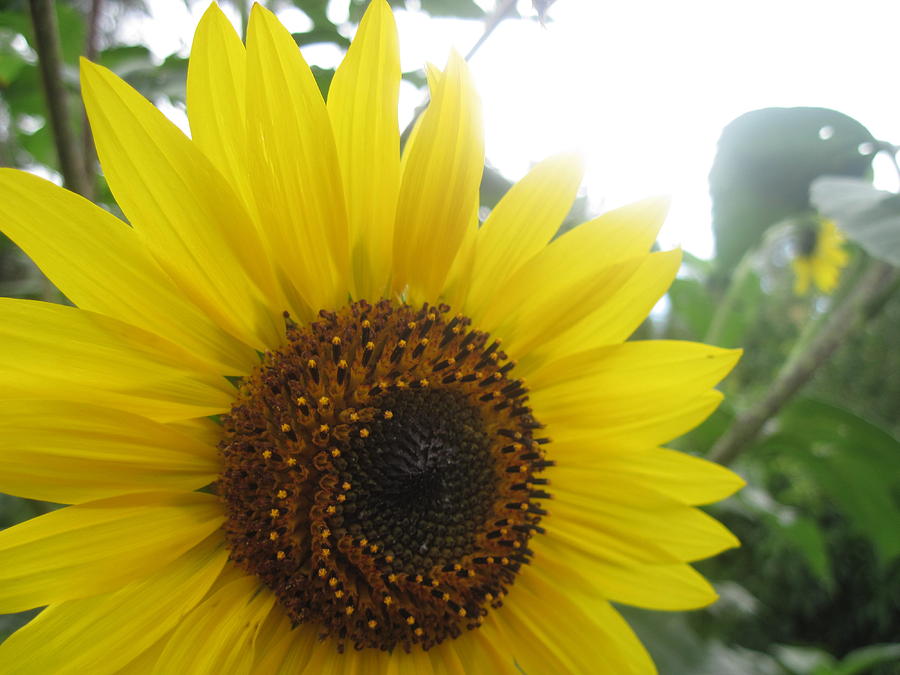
(303, 406)
(820, 257)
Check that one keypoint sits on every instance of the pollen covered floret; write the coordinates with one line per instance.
(381, 474)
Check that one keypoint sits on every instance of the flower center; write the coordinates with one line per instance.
(380, 475)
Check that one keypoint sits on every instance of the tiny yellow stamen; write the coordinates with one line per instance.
(281, 494)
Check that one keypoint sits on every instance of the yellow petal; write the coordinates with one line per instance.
(225, 625)
(522, 223)
(80, 247)
(62, 353)
(627, 387)
(192, 222)
(616, 318)
(667, 586)
(362, 103)
(640, 516)
(478, 652)
(216, 98)
(95, 547)
(70, 452)
(439, 190)
(540, 300)
(688, 479)
(106, 632)
(287, 649)
(548, 632)
(294, 165)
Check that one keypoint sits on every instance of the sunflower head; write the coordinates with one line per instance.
(313, 413)
(820, 256)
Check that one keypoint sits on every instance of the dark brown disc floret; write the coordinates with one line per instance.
(381, 475)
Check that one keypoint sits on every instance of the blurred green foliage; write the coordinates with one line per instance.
(815, 589)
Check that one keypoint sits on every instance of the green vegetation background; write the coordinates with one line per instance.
(815, 589)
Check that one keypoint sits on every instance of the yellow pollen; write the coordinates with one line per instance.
(435, 583)
(345, 485)
(342, 498)
(339, 594)
(274, 513)
(281, 494)
(401, 343)
(349, 610)
(419, 578)
(517, 544)
(389, 558)
(388, 414)
(326, 552)
(354, 417)
(333, 582)
(504, 560)
(266, 454)
(301, 400)
(364, 433)
(291, 461)
(445, 597)
(504, 530)
(471, 573)
(363, 542)
(326, 532)
(335, 340)
(330, 509)
(451, 361)
(280, 555)
(392, 577)
(490, 560)
(457, 567)
(324, 401)
(424, 382)
(488, 596)
(322, 572)
(335, 452)
(410, 620)
(366, 323)
(419, 632)
(273, 535)
(370, 345)
(411, 325)
(342, 363)
(388, 600)
(424, 342)
(462, 611)
(523, 468)
(311, 363)
(372, 623)
(524, 506)
(401, 384)
(285, 428)
(374, 548)
(324, 428)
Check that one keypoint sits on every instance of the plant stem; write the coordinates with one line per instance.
(866, 299)
(91, 51)
(46, 32)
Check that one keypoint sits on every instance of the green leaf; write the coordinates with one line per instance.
(764, 165)
(465, 9)
(865, 658)
(11, 62)
(868, 216)
(319, 35)
(124, 60)
(853, 461)
(807, 538)
(692, 304)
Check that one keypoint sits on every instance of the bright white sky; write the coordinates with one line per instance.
(641, 87)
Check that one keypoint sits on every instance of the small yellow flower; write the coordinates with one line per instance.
(436, 489)
(820, 258)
